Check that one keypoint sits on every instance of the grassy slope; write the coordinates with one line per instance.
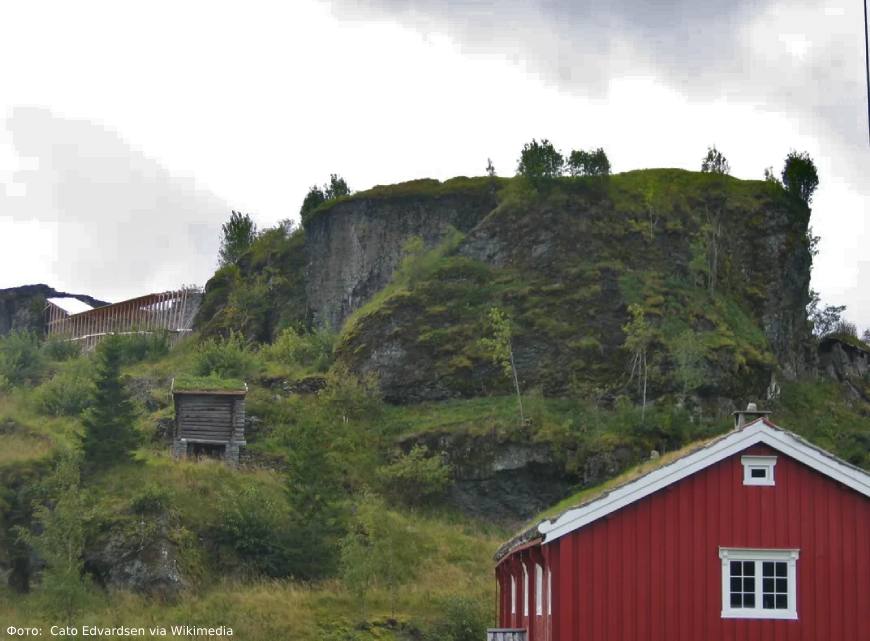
(457, 557)
(456, 553)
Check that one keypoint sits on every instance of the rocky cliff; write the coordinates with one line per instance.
(22, 307)
(718, 267)
(846, 360)
(354, 246)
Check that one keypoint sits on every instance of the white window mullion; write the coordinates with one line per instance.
(539, 590)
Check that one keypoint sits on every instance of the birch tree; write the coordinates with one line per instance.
(500, 348)
(638, 338)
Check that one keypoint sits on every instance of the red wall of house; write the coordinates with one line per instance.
(651, 571)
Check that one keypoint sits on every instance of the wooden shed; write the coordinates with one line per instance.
(209, 418)
(753, 535)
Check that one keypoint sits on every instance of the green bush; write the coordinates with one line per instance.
(21, 360)
(141, 347)
(151, 499)
(464, 619)
(415, 477)
(256, 528)
(380, 548)
(226, 358)
(311, 350)
(56, 349)
(69, 392)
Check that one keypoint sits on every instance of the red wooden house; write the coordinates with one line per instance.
(756, 535)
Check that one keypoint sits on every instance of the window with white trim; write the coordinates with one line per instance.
(513, 594)
(758, 470)
(759, 584)
(525, 591)
(539, 590)
(549, 591)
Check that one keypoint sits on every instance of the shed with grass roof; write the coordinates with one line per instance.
(209, 417)
(755, 534)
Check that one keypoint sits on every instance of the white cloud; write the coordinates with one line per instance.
(223, 105)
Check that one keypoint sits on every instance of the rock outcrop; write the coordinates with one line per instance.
(508, 478)
(846, 361)
(354, 247)
(720, 268)
(139, 556)
(22, 307)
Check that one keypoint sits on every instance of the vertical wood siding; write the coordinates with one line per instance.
(171, 311)
(651, 571)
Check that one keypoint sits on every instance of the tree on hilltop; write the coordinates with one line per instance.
(539, 161)
(799, 175)
(238, 234)
(335, 188)
(770, 177)
(588, 163)
(715, 162)
(490, 168)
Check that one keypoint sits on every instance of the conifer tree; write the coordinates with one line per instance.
(109, 436)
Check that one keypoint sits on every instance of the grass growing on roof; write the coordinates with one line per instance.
(208, 383)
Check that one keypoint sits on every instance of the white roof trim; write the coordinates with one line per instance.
(758, 431)
(70, 305)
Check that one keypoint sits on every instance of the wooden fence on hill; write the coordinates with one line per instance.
(171, 312)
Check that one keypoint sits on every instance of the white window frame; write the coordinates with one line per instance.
(549, 591)
(539, 590)
(759, 556)
(525, 591)
(766, 463)
(513, 594)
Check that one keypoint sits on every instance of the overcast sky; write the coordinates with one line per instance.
(130, 130)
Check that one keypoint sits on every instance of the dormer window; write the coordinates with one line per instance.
(758, 470)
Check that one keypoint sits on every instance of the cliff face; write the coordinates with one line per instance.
(846, 360)
(719, 269)
(261, 293)
(354, 247)
(22, 307)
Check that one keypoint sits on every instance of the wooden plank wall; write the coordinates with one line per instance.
(209, 417)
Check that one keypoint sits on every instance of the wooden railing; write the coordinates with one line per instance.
(170, 312)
